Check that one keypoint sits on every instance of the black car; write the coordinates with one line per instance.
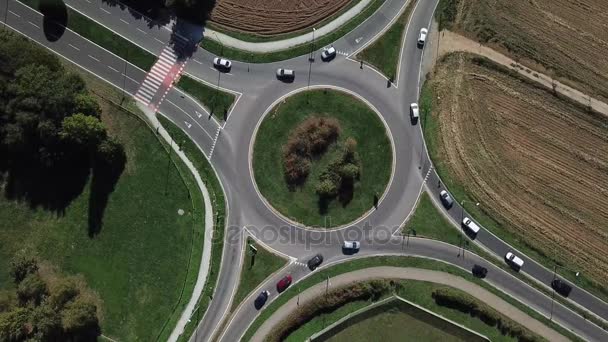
(261, 300)
(315, 262)
(561, 287)
(479, 271)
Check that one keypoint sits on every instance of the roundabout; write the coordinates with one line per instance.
(299, 199)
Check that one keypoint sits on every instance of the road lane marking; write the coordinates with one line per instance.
(189, 125)
(196, 61)
(75, 48)
(142, 31)
(188, 115)
(94, 58)
(15, 14)
(124, 21)
(31, 23)
(105, 10)
(130, 79)
(158, 40)
(113, 69)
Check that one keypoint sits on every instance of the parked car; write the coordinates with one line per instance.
(315, 262)
(350, 247)
(514, 261)
(284, 283)
(446, 200)
(470, 225)
(414, 113)
(285, 74)
(222, 63)
(422, 36)
(479, 271)
(328, 53)
(561, 287)
(261, 299)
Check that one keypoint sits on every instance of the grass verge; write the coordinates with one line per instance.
(254, 273)
(217, 102)
(383, 54)
(322, 275)
(104, 38)
(219, 215)
(296, 51)
(357, 121)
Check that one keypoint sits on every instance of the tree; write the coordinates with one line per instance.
(327, 188)
(84, 130)
(111, 153)
(13, 325)
(79, 319)
(349, 171)
(32, 289)
(46, 323)
(21, 266)
(62, 293)
(85, 103)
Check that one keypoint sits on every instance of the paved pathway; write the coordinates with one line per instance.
(450, 41)
(410, 273)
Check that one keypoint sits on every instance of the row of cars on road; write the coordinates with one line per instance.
(514, 261)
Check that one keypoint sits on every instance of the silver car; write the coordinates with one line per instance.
(285, 74)
(422, 36)
(328, 53)
(222, 63)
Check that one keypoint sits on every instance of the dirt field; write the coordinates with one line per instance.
(270, 17)
(566, 38)
(538, 164)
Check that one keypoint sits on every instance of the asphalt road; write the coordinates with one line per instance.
(227, 146)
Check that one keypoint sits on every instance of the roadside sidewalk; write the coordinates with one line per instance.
(415, 274)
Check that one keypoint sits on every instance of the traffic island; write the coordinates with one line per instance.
(322, 158)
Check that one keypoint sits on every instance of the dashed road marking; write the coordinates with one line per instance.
(31, 23)
(142, 31)
(124, 21)
(116, 70)
(105, 10)
(75, 48)
(94, 58)
(15, 14)
(217, 134)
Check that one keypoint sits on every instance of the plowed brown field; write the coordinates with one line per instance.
(270, 17)
(538, 164)
(565, 38)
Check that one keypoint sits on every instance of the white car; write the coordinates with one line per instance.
(414, 113)
(515, 261)
(470, 225)
(222, 63)
(328, 53)
(285, 74)
(422, 36)
(351, 246)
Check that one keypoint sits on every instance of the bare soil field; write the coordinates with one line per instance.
(537, 164)
(271, 17)
(564, 38)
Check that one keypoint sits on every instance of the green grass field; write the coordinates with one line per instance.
(383, 54)
(139, 261)
(296, 51)
(105, 38)
(428, 222)
(321, 275)
(218, 102)
(357, 121)
(266, 263)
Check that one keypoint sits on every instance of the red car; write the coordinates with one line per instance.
(284, 283)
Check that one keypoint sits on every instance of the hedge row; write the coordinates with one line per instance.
(368, 290)
(460, 301)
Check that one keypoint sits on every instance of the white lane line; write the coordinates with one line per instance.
(113, 69)
(142, 31)
(105, 10)
(131, 79)
(15, 14)
(199, 125)
(158, 40)
(124, 21)
(94, 58)
(75, 48)
(31, 23)
(217, 134)
(196, 61)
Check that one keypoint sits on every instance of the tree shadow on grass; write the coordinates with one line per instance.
(105, 177)
(55, 18)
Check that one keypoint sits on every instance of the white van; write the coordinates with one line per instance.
(414, 113)
(513, 260)
(470, 225)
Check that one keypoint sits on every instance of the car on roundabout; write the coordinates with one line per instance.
(328, 53)
(284, 283)
(350, 247)
(514, 261)
(315, 262)
(479, 271)
(422, 37)
(561, 287)
(446, 199)
(261, 299)
(222, 64)
(286, 75)
(414, 113)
